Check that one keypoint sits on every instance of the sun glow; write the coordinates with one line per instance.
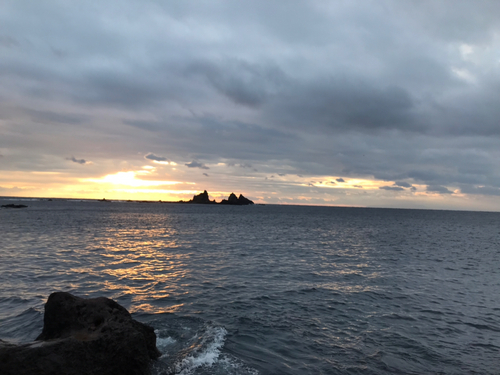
(333, 183)
(129, 179)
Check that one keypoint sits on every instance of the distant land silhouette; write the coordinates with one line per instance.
(202, 198)
(16, 206)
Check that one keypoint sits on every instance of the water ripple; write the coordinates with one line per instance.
(294, 290)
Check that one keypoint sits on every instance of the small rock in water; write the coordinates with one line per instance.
(83, 336)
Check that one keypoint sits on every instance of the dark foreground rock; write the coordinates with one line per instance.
(83, 336)
(236, 201)
(13, 206)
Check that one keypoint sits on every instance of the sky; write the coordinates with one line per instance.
(383, 103)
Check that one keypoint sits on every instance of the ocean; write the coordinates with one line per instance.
(268, 289)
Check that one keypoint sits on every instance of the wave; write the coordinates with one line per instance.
(23, 327)
(191, 346)
(204, 353)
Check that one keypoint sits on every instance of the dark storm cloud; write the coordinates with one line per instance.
(340, 180)
(195, 164)
(426, 176)
(438, 189)
(242, 165)
(8, 41)
(241, 81)
(78, 161)
(154, 157)
(55, 117)
(125, 90)
(473, 114)
(234, 140)
(402, 184)
(482, 190)
(340, 104)
(401, 91)
(144, 125)
(478, 20)
(394, 188)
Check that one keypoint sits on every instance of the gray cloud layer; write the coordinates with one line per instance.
(78, 161)
(154, 157)
(195, 164)
(400, 91)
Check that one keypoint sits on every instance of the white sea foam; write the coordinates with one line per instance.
(208, 353)
(163, 342)
(232, 366)
(166, 341)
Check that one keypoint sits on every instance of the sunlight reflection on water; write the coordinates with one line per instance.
(298, 288)
(137, 261)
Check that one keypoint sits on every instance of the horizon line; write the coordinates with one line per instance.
(255, 204)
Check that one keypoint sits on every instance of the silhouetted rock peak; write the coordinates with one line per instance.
(231, 200)
(201, 198)
(236, 201)
(244, 201)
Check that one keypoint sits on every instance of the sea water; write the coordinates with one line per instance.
(268, 289)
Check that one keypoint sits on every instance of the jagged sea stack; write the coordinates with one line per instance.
(201, 198)
(234, 201)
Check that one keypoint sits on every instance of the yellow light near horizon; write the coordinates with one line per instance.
(369, 184)
(128, 179)
(45, 173)
(349, 184)
(158, 191)
(164, 162)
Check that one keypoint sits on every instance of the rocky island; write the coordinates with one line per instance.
(83, 336)
(202, 198)
(239, 201)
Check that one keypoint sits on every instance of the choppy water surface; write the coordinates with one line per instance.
(268, 289)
